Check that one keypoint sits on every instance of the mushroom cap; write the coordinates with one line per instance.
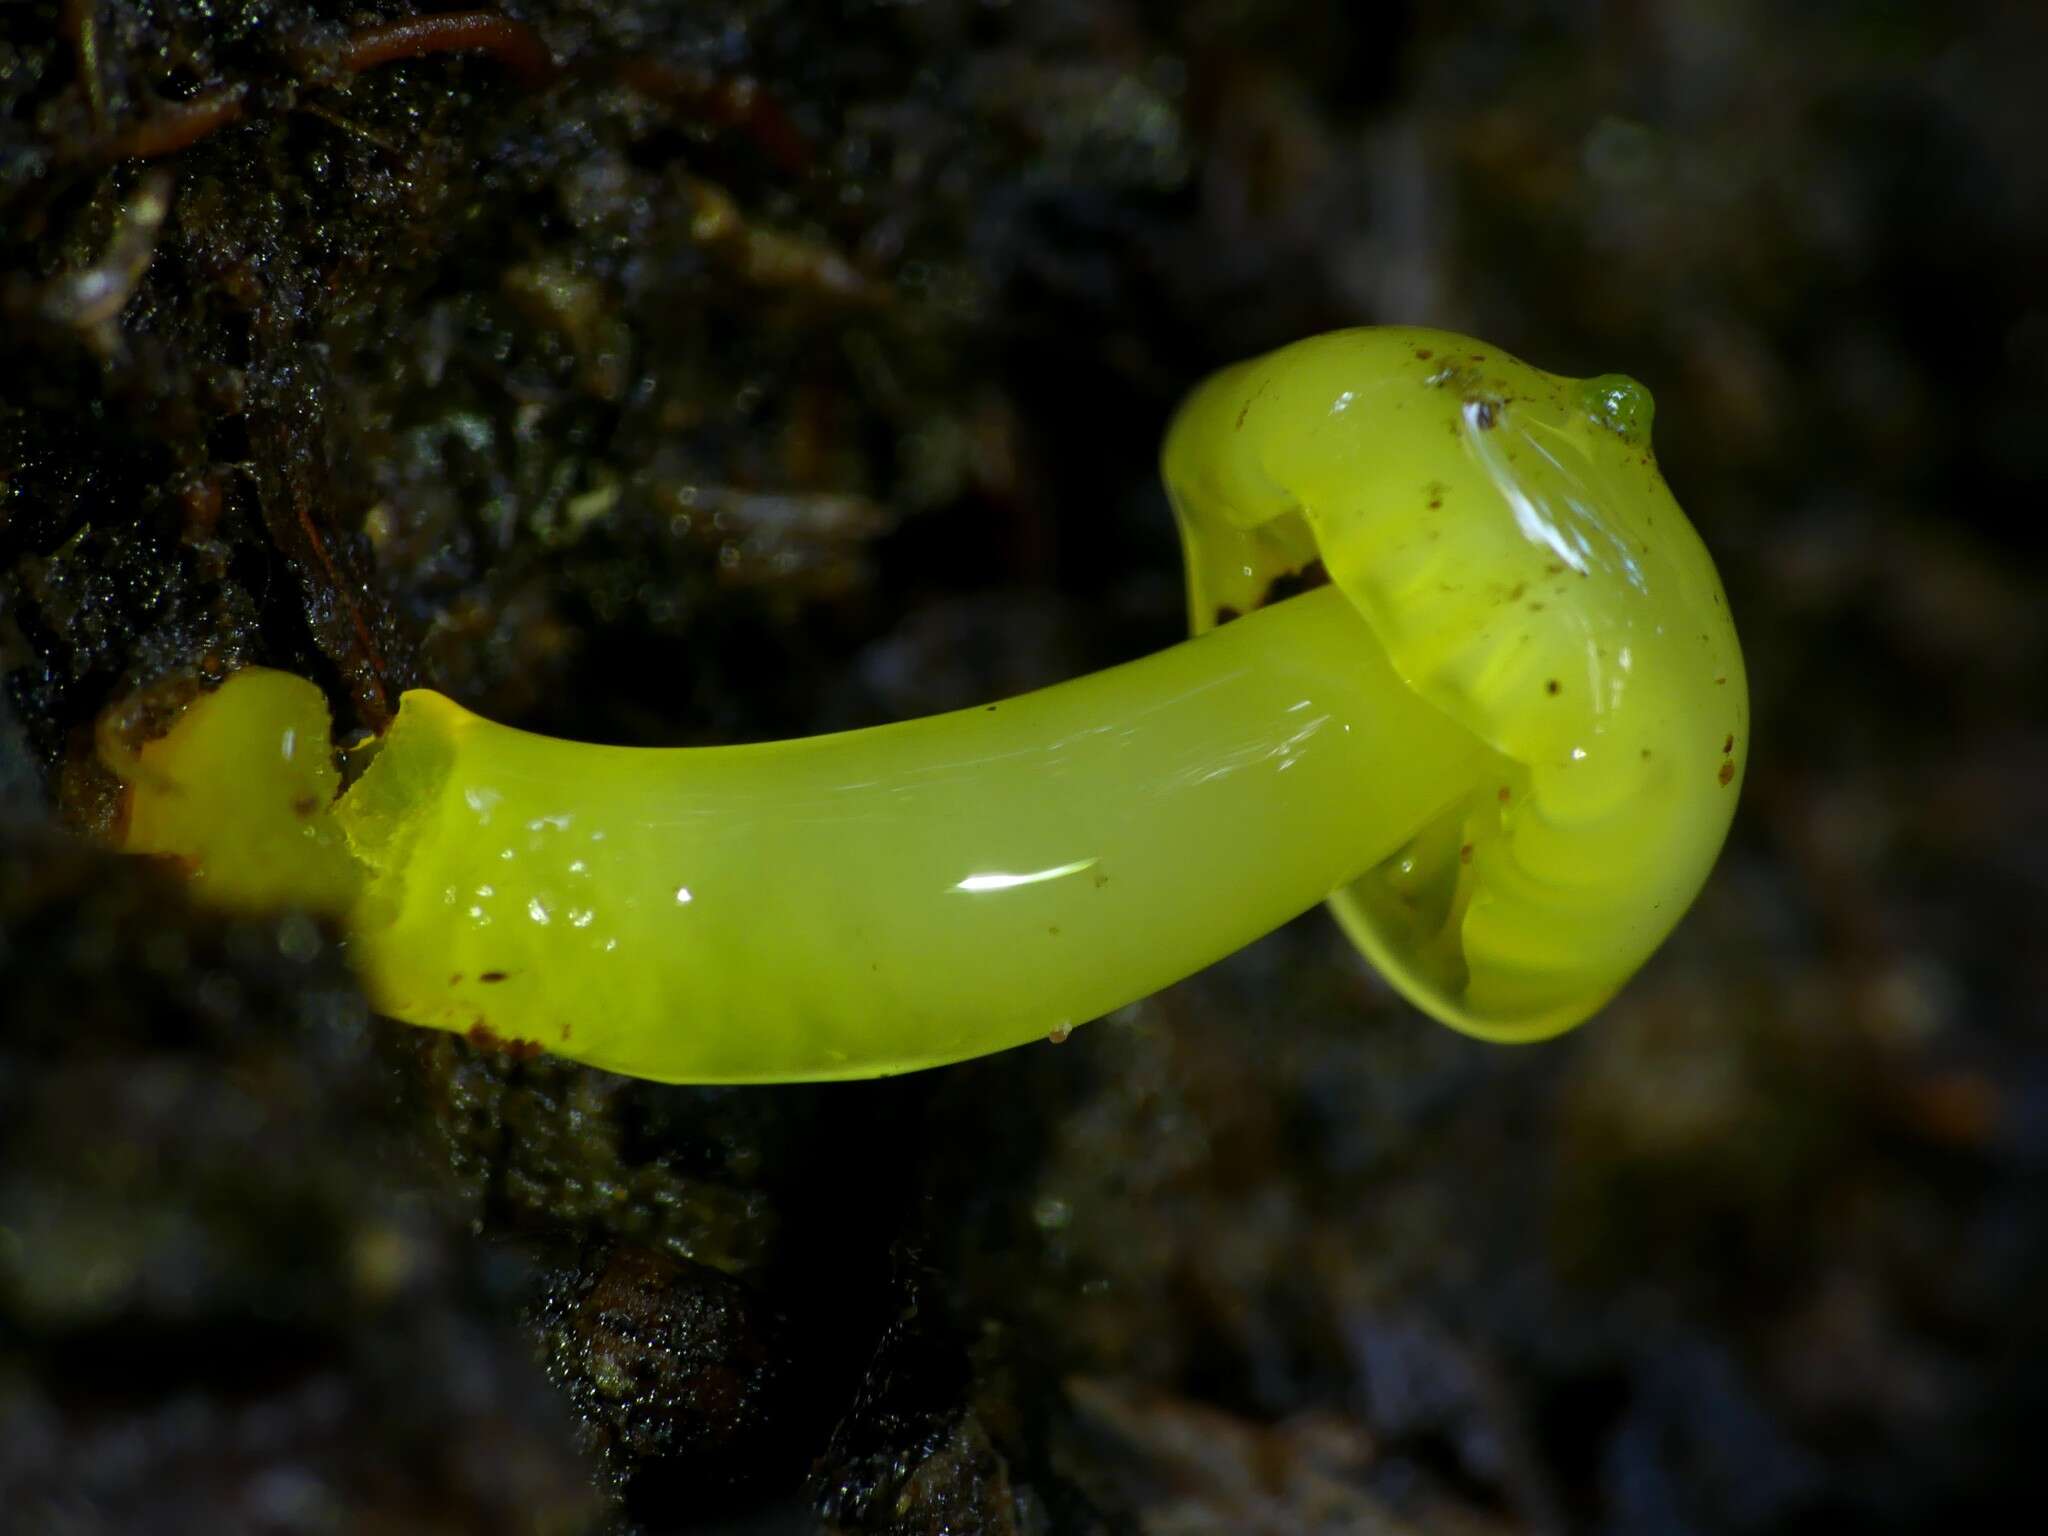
(1508, 538)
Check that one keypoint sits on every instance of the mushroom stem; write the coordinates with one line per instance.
(877, 900)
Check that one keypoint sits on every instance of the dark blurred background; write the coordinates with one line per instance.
(722, 369)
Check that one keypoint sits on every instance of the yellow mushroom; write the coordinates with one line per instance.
(1507, 735)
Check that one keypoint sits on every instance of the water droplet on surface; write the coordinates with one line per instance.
(1619, 404)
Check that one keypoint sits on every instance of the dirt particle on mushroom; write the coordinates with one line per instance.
(483, 1037)
(1294, 583)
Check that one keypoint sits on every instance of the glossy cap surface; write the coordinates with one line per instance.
(1507, 536)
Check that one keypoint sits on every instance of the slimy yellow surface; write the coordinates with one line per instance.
(1486, 740)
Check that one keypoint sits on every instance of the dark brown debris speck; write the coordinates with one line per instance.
(1294, 583)
(485, 1038)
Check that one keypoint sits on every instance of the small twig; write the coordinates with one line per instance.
(178, 125)
(351, 127)
(181, 125)
(768, 257)
(725, 102)
(91, 299)
(80, 22)
(337, 597)
(514, 44)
